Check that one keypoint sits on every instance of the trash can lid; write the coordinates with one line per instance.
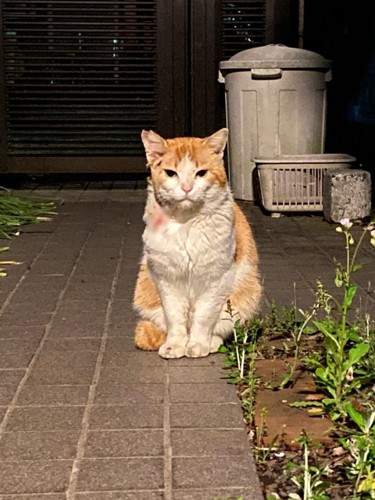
(276, 56)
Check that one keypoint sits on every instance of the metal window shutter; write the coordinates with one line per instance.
(243, 25)
(80, 76)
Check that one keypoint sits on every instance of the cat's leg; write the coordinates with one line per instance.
(176, 313)
(207, 309)
(244, 304)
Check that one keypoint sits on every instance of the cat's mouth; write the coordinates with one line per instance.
(187, 198)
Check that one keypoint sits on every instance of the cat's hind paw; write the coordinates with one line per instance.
(172, 351)
(197, 350)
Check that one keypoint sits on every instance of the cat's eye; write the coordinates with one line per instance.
(201, 173)
(170, 173)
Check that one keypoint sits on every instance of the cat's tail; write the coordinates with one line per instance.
(148, 336)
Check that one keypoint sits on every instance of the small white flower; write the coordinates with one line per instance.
(350, 375)
(346, 223)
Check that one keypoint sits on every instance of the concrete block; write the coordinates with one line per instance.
(346, 194)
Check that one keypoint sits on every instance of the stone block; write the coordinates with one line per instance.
(346, 194)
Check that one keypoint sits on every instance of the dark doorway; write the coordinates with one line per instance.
(81, 78)
(345, 34)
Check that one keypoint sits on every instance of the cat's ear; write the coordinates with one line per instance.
(154, 145)
(218, 141)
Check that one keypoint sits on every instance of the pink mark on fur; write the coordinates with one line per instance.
(158, 217)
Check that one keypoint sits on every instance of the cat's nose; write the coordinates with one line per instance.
(186, 188)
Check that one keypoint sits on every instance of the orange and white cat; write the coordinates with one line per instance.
(199, 251)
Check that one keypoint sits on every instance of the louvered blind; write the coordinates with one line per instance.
(80, 76)
(244, 25)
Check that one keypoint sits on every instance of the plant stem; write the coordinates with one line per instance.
(356, 251)
(307, 485)
(243, 356)
(297, 349)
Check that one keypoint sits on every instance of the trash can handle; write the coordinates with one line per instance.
(266, 73)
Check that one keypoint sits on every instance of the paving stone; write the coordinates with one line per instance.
(199, 374)
(78, 330)
(33, 305)
(120, 474)
(63, 367)
(7, 393)
(125, 332)
(44, 496)
(71, 345)
(72, 307)
(45, 418)
(217, 494)
(131, 416)
(3, 411)
(57, 266)
(41, 288)
(121, 495)
(117, 355)
(38, 445)
(124, 443)
(107, 266)
(52, 395)
(25, 320)
(111, 392)
(89, 323)
(203, 472)
(216, 359)
(15, 353)
(121, 312)
(42, 476)
(88, 292)
(203, 393)
(85, 280)
(34, 333)
(209, 442)
(135, 374)
(206, 415)
(11, 377)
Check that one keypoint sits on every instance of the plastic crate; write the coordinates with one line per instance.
(295, 183)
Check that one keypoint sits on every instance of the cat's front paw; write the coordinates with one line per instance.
(216, 342)
(197, 350)
(171, 350)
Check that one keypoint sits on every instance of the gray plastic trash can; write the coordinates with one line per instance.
(275, 105)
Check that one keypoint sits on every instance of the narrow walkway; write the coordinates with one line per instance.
(84, 415)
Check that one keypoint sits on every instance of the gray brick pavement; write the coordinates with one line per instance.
(87, 417)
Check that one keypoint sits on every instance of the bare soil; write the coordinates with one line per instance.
(276, 425)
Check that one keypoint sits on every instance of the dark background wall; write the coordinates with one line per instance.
(344, 32)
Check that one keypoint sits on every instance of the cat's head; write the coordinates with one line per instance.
(186, 171)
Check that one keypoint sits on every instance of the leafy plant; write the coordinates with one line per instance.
(361, 446)
(261, 450)
(14, 212)
(338, 371)
(280, 320)
(310, 479)
(240, 361)
(296, 336)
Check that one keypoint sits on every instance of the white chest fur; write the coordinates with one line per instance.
(198, 250)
